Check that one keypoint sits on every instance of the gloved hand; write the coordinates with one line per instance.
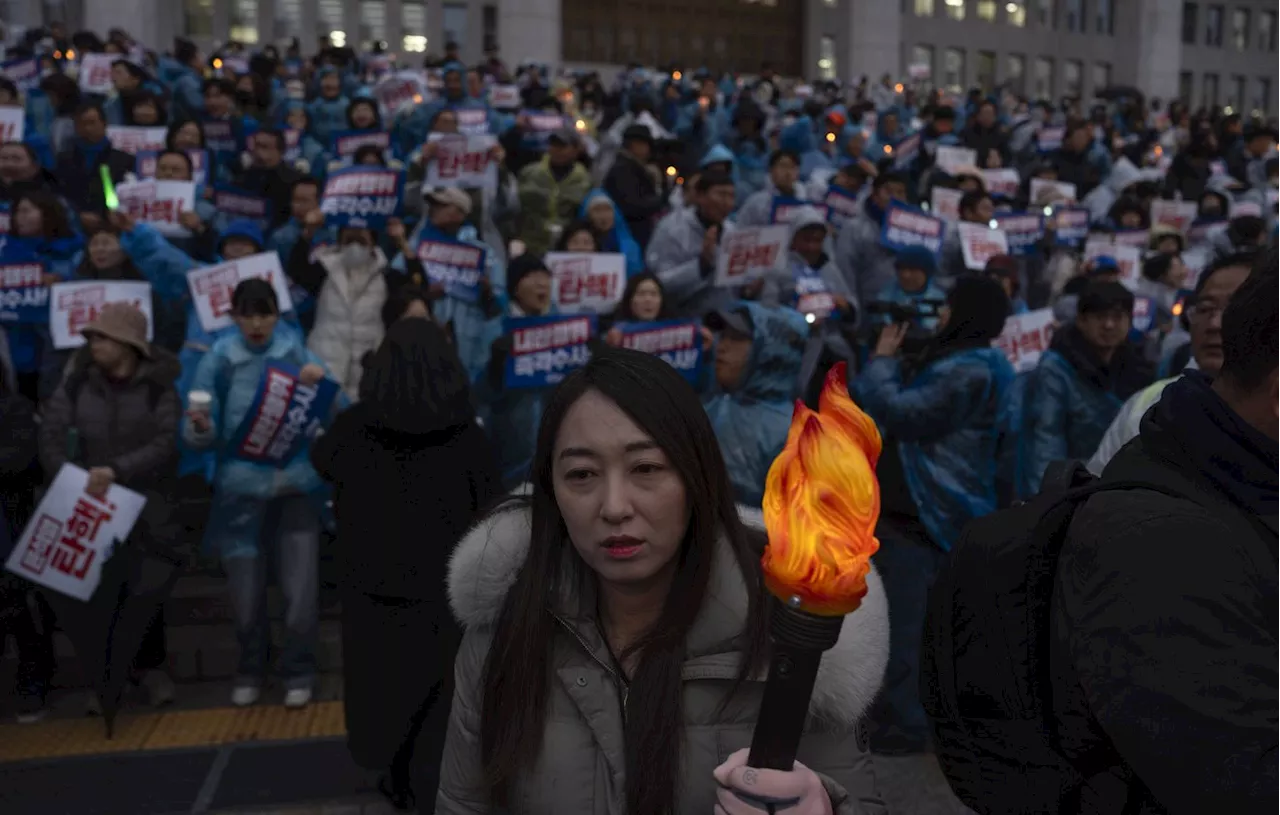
(747, 791)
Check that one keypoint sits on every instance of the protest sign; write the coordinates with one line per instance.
(211, 287)
(284, 414)
(134, 140)
(72, 306)
(220, 136)
(504, 97)
(72, 534)
(677, 342)
(539, 126)
(25, 73)
(813, 296)
(1144, 315)
(842, 205)
(1137, 238)
(13, 122)
(587, 282)
(870, 120)
(145, 163)
(1049, 139)
(1025, 337)
(1175, 214)
(158, 203)
(783, 207)
(1045, 192)
(545, 349)
(95, 73)
(362, 196)
(907, 226)
(457, 266)
(944, 203)
(463, 161)
(980, 243)
(394, 93)
(347, 142)
(24, 298)
(1246, 209)
(1127, 258)
(1071, 225)
(1002, 183)
(237, 204)
(1023, 231)
(749, 252)
(472, 121)
(952, 159)
(904, 152)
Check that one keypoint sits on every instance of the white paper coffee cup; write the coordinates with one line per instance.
(200, 400)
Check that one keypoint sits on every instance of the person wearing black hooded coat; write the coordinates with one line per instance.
(412, 470)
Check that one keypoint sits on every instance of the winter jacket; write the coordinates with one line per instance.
(1086, 170)
(636, 194)
(581, 765)
(348, 321)
(619, 238)
(675, 256)
(185, 91)
(1164, 611)
(80, 178)
(546, 201)
(758, 210)
(130, 427)
(945, 422)
(386, 482)
(274, 184)
(30, 346)
(1070, 401)
(751, 421)
(868, 267)
(987, 140)
(326, 117)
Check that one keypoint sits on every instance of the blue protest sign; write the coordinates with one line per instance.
(842, 205)
(220, 135)
(25, 73)
(813, 296)
(545, 349)
(905, 227)
(1071, 225)
(236, 204)
(1023, 229)
(457, 266)
(347, 142)
(1144, 315)
(362, 197)
(283, 416)
(24, 298)
(1049, 139)
(540, 126)
(677, 342)
(783, 207)
(472, 121)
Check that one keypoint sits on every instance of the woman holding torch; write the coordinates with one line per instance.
(618, 616)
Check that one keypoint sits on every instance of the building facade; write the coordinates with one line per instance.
(1206, 53)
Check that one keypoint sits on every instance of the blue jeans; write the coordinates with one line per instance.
(290, 531)
(908, 561)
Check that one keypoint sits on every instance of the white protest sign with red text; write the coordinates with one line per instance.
(71, 534)
(1002, 183)
(749, 252)
(1063, 191)
(1025, 338)
(1176, 214)
(981, 243)
(944, 203)
(72, 306)
(211, 287)
(13, 123)
(1128, 258)
(135, 140)
(159, 203)
(463, 161)
(95, 73)
(587, 282)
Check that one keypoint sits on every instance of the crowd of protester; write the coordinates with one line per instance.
(661, 168)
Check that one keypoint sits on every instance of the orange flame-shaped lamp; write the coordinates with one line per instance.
(821, 503)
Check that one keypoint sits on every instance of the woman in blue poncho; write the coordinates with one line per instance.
(611, 230)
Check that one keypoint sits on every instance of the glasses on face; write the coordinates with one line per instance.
(1205, 311)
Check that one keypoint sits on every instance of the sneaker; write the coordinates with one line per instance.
(297, 697)
(245, 695)
(159, 687)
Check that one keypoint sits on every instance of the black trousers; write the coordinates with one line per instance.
(26, 617)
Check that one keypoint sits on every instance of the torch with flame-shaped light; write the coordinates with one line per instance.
(821, 503)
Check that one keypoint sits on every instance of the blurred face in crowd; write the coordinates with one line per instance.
(533, 292)
(8, 99)
(171, 167)
(446, 122)
(123, 79)
(1131, 220)
(145, 113)
(646, 303)
(968, 184)
(363, 117)
(1169, 245)
(807, 243)
(623, 504)
(296, 119)
(236, 248)
(600, 213)
(266, 151)
(987, 116)
(717, 203)
(733, 350)
(109, 354)
(1205, 316)
(475, 85)
(856, 143)
(641, 149)
(216, 103)
(416, 310)
(28, 220)
(305, 199)
(257, 328)
(187, 137)
(889, 192)
(889, 122)
(580, 241)
(1211, 207)
(911, 279)
(15, 164)
(90, 126)
(943, 126)
(330, 86)
(784, 173)
(447, 217)
(1105, 330)
(561, 155)
(105, 251)
(981, 212)
(1176, 275)
(1078, 140)
(689, 190)
(453, 84)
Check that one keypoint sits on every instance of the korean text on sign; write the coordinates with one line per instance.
(677, 342)
(1176, 214)
(71, 534)
(72, 306)
(747, 253)
(1023, 231)
(980, 243)
(159, 203)
(362, 196)
(457, 266)
(813, 295)
(346, 143)
(944, 203)
(587, 282)
(240, 204)
(397, 92)
(463, 161)
(25, 73)
(1025, 338)
(905, 227)
(24, 298)
(211, 287)
(842, 205)
(135, 140)
(284, 414)
(545, 349)
(1071, 226)
(95, 73)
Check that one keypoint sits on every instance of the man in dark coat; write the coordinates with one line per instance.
(633, 186)
(1164, 612)
(269, 176)
(77, 167)
(985, 136)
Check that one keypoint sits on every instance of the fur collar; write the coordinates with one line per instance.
(485, 563)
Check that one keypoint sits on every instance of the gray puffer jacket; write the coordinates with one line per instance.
(581, 767)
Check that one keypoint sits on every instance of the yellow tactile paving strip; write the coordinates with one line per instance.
(61, 738)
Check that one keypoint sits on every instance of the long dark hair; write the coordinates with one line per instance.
(517, 669)
(124, 270)
(979, 308)
(414, 382)
(53, 220)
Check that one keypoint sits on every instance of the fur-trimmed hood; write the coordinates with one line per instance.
(485, 564)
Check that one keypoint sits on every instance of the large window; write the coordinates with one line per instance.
(1101, 76)
(1267, 31)
(199, 18)
(1016, 13)
(955, 9)
(1209, 98)
(373, 22)
(1186, 87)
(1042, 81)
(244, 21)
(924, 8)
(923, 55)
(1045, 14)
(1190, 23)
(1015, 73)
(455, 23)
(1075, 15)
(1213, 27)
(827, 57)
(1071, 70)
(1104, 17)
(987, 10)
(953, 70)
(288, 18)
(489, 26)
(986, 70)
(329, 21)
(1235, 94)
(413, 24)
(1262, 100)
(1240, 29)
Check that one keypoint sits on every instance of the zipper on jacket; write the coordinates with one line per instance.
(618, 682)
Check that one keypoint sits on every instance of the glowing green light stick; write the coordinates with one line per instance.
(108, 189)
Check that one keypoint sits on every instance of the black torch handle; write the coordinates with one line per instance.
(784, 708)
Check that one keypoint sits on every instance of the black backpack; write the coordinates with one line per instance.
(985, 678)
